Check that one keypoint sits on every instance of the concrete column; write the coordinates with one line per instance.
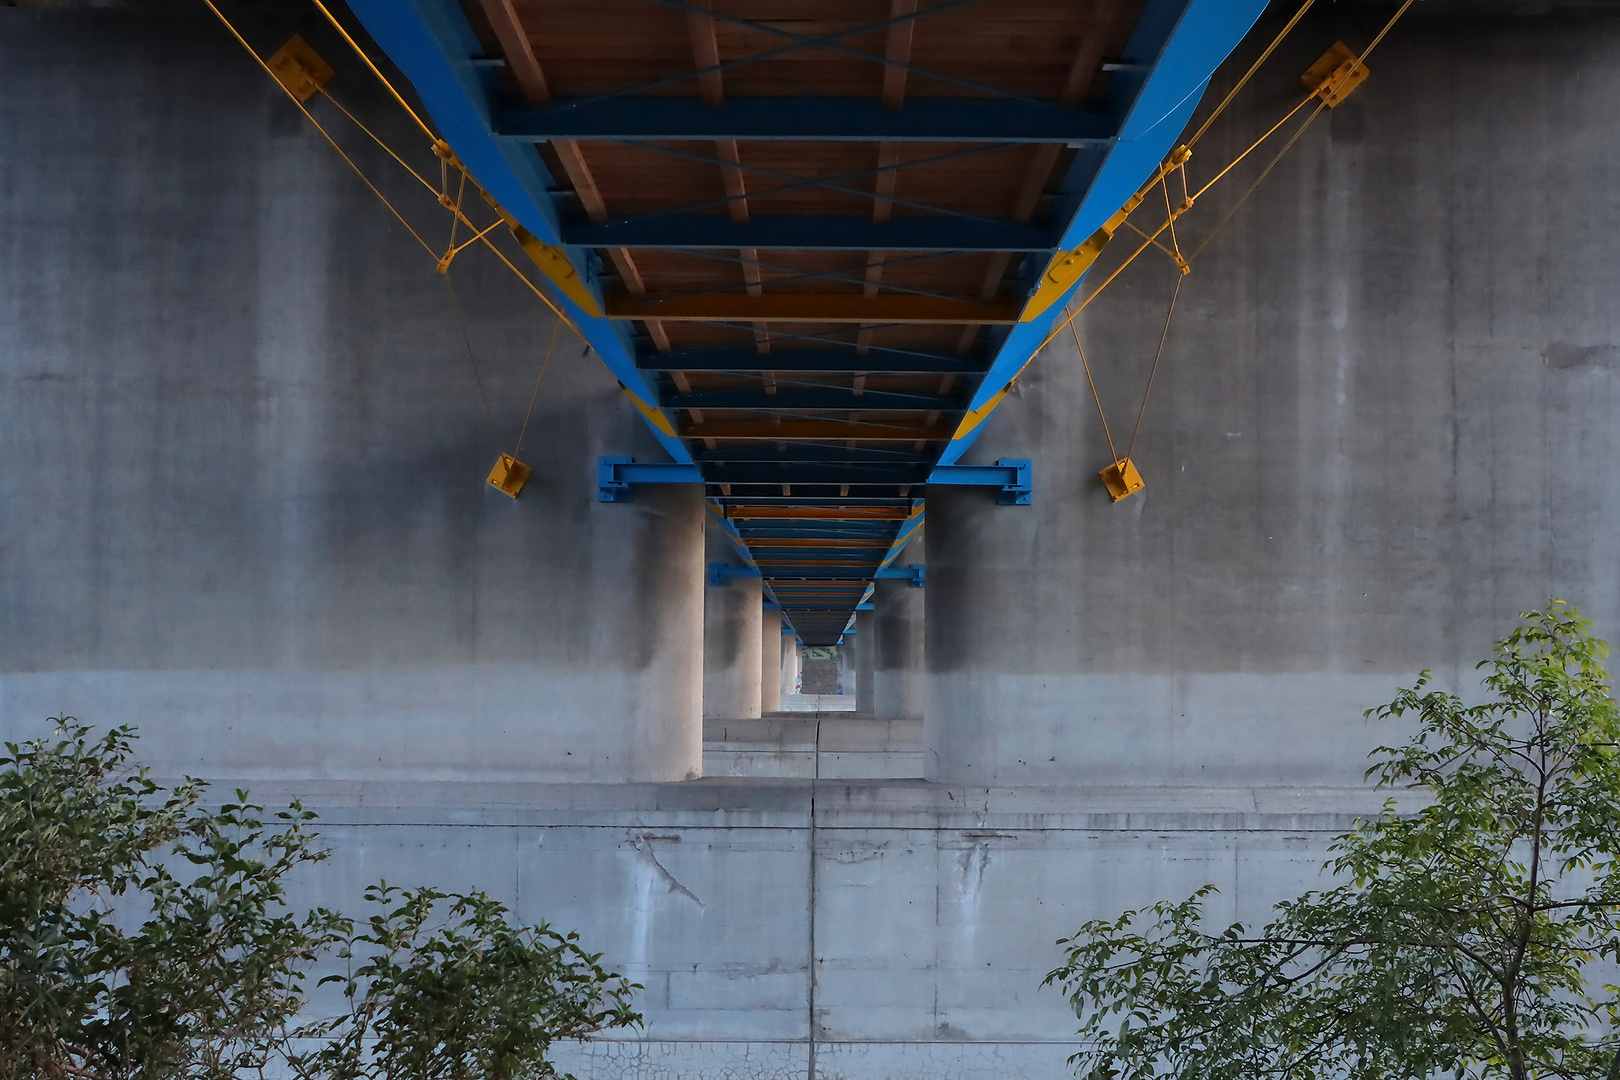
(731, 660)
(865, 660)
(770, 661)
(846, 665)
(898, 671)
(790, 663)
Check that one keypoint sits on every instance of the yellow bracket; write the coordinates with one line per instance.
(1122, 479)
(553, 262)
(299, 68)
(1068, 267)
(655, 416)
(509, 475)
(1337, 73)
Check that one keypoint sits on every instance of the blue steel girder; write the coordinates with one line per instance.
(431, 42)
(1174, 51)
(1156, 83)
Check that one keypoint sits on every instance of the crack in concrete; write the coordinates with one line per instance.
(644, 847)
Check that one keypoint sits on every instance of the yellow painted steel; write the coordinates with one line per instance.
(1335, 74)
(509, 475)
(813, 307)
(1068, 267)
(1121, 479)
(981, 414)
(800, 430)
(299, 68)
(655, 416)
(554, 263)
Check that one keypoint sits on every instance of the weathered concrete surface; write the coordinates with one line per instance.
(790, 663)
(865, 662)
(1387, 419)
(842, 748)
(770, 661)
(929, 911)
(731, 661)
(899, 666)
(242, 454)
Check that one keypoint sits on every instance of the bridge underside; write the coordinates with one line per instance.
(810, 231)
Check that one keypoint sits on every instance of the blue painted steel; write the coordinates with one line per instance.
(615, 475)
(431, 42)
(720, 573)
(1185, 40)
(831, 397)
(807, 233)
(916, 573)
(817, 573)
(824, 119)
(747, 358)
(1014, 476)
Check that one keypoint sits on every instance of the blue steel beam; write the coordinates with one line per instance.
(831, 397)
(748, 358)
(820, 473)
(805, 452)
(1013, 476)
(1175, 49)
(432, 44)
(807, 233)
(822, 119)
(615, 475)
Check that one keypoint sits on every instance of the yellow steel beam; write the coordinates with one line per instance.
(798, 430)
(813, 307)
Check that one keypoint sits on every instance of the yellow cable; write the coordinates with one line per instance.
(1084, 363)
(361, 53)
(1292, 140)
(374, 138)
(294, 98)
(1247, 75)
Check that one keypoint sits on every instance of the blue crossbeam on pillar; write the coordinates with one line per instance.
(916, 574)
(1014, 476)
(720, 573)
(823, 119)
(615, 475)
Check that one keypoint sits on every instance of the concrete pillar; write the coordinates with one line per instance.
(898, 670)
(770, 661)
(731, 660)
(790, 663)
(846, 665)
(865, 660)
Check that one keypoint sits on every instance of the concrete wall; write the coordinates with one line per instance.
(242, 452)
(242, 462)
(1385, 422)
(930, 911)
